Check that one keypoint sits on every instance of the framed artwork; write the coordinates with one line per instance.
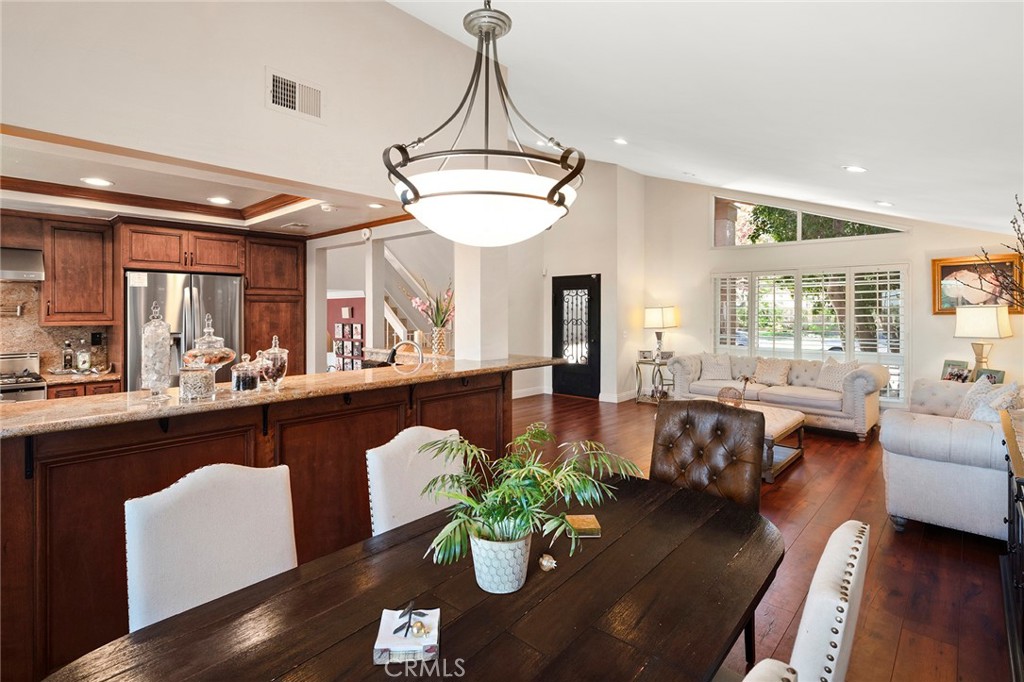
(955, 370)
(357, 348)
(346, 331)
(973, 281)
(346, 364)
(346, 311)
(338, 348)
(994, 376)
(357, 364)
(357, 331)
(339, 330)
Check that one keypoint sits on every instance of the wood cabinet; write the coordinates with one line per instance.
(275, 267)
(146, 247)
(20, 232)
(65, 391)
(285, 317)
(79, 263)
(80, 389)
(275, 302)
(102, 387)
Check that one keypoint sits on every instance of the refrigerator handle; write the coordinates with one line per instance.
(187, 331)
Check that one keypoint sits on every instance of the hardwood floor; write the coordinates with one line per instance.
(932, 607)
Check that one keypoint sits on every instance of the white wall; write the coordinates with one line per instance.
(680, 260)
(346, 268)
(186, 80)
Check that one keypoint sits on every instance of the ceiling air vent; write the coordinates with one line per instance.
(290, 95)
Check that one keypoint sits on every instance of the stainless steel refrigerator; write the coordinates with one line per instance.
(184, 300)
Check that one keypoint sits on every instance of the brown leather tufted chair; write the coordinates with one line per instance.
(715, 448)
(704, 445)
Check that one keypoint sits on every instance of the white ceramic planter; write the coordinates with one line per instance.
(500, 566)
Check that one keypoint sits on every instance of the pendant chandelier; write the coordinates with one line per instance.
(501, 197)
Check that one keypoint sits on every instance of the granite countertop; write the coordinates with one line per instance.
(52, 379)
(49, 416)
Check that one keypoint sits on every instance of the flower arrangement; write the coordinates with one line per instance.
(439, 308)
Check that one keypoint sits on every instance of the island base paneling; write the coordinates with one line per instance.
(63, 579)
(324, 444)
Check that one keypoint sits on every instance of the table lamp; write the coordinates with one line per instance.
(662, 317)
(982, 322)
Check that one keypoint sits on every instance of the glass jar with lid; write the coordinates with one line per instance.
(197, 382)
(275, 364)
(245, 375)
(209, 349)
(156, 355)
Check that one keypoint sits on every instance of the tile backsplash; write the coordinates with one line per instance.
(23, 334)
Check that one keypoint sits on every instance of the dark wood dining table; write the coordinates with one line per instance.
(662, 595)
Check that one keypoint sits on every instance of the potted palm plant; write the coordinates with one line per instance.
(501, 501)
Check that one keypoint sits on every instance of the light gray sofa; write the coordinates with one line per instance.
(943, 470)
(854, 409)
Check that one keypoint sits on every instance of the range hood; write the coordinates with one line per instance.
(21, 265)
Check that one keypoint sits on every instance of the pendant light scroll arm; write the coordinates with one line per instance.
(410, 195)
(555, 196)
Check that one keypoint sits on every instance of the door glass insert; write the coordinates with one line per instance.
(575, 326)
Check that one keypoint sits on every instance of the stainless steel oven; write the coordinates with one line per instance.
(19, 377)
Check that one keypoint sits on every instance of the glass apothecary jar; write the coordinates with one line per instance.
(156, 355)
(245, 375)
(209, 349)
(196, 382)
(275, 364)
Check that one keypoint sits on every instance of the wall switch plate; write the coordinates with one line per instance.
(96, 339)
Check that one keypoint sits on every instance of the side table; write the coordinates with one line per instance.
(659, 387)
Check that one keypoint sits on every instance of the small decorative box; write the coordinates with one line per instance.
(407, 635)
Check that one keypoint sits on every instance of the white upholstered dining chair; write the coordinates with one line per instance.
(216, 530)
(397, 473)
(824, 639)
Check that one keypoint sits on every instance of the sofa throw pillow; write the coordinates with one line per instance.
(999, 399)
(833, 373)
(715, 367)
(772, 372)
(976, 395)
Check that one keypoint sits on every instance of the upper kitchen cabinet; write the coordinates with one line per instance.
(275, 267)
(146, 247)
(79, 263)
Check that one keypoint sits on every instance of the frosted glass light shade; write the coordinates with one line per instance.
(485, 207)
(983, 322)
(662, 317)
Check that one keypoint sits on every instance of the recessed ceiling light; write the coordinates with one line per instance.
(376, 205)
(886, 204)
(97, 182)
(220, 201)
(620, 140)
(855, 169)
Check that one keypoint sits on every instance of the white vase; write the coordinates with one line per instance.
(500, 566)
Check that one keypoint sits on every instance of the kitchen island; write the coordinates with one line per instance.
(67, 466)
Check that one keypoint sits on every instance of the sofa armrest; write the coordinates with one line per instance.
(685, 370)
(866, 379)
(943, 439)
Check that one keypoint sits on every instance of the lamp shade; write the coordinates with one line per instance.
(983, 322)
(661, 317)
(485, 207)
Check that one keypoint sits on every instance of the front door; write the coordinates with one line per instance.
(576, 334)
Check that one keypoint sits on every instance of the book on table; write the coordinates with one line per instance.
(585, 525)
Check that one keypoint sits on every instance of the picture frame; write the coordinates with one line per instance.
(995, 376)
(339, 348)
(346, 364)
(954, 370)
(339, 330)
(347, 347)
(346, 311)
(357, 349)
(357, 330)
(346, 331)
(645, 355)
(956, 281)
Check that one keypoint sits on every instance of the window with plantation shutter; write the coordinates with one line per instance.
(856, 313)
(775, 315)
(733, 313)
